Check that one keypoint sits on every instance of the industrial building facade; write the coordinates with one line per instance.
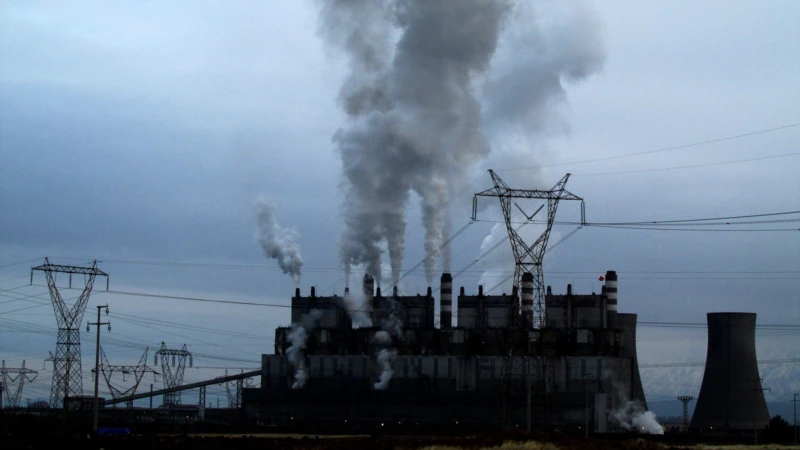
(482, 372)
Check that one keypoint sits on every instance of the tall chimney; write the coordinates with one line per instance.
(527, 298)
(611, 296)
(369, 294)
(313, 291)
(446, 302)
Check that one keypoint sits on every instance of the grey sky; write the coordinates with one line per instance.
(146, 132)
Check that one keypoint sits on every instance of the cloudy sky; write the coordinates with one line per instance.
(143, 134)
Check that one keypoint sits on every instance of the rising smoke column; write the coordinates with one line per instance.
(277, 242)
(414, 121)
(298, 336)
(420, 96)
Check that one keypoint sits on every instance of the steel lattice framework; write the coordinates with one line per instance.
(528, 258)
(685, 399)
(173, 376)
(234, 387)
(67, 375)
(19, 376)
(136, 371)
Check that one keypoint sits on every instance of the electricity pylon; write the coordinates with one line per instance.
(67, 375)
(234, 389)
(528, 258)
(7, 377)
(234, 392)
(136, 371)
(685, 399)
(173, 377)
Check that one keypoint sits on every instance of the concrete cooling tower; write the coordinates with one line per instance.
(731, 398)
(627, 323)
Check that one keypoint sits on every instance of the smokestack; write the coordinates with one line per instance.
(611, 296)
(446, 302)
(527, 298)
(731, 397)
(569, 289)
(394, 291)
(313, 291)
(480, 290)
(346, 291)
(369, 290)
(297, 292)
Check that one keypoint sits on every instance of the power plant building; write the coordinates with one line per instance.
(481, 370)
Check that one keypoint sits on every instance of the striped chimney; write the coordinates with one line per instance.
(611, 296)
(446, 302)
(527, 297)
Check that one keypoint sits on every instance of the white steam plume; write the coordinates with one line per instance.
(385, 358)
(391, 329)
(419, 72)
(631, 414)
(298, 335)
(358, 312)
(277, 242)
(413, 116)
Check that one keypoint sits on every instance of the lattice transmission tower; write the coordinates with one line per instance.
(9, 376)
(67, 375)
(234, 388)
(172, 374)
(137, 372)
(528, 258)
(685, 399)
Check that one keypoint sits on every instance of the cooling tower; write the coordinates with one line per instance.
(627, 323)
(731, 398)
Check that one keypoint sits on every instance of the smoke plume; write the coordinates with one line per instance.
(358, 313)
(277, 242)
(633, 417)
(391, 329)
(418, 74)
(298, 335)
(385, 358)
(631, 414)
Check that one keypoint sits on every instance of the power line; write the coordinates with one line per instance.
(692, 166)
(666, 149)
(702, 364)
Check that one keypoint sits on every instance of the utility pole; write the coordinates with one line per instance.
(96, 407)
(757, 388)
(685, 399)
(794, 400)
